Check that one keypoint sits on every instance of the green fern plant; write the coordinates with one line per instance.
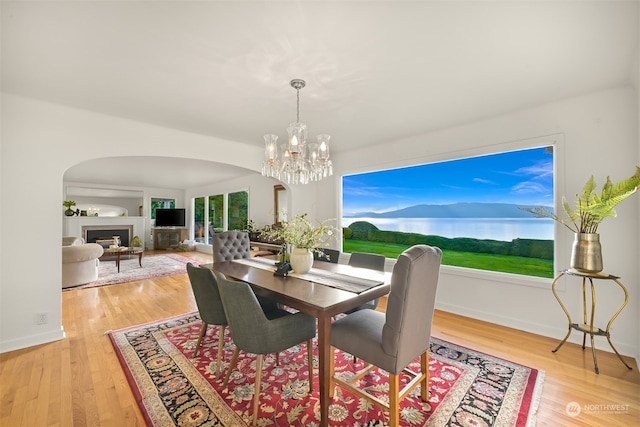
(592, 208)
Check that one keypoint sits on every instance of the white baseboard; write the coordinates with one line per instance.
(535, 328)
(31, 340)
(207, 249)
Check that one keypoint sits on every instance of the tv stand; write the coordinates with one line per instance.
(168, 237)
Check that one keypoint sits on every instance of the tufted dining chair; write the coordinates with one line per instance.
(230, 245)
(207, 296)
(234, 244)
(260, 333)
(392, 340)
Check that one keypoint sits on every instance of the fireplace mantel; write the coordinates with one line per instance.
(73, 226)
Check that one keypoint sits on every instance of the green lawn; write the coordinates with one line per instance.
(507, 264)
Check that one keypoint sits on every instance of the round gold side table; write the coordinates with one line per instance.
(588, 328)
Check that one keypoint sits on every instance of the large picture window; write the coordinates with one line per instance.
(470, 208)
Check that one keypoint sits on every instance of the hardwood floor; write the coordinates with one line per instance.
(79, 382)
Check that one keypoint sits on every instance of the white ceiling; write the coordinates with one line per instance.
(375, 71)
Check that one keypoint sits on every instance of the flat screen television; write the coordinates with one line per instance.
(170, 218)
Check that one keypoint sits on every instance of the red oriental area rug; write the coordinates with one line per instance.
(467, 388)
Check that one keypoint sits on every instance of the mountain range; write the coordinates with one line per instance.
(454, 210)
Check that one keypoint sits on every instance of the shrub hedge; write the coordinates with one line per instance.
(530, 248)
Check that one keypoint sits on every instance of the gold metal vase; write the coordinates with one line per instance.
(586, 253)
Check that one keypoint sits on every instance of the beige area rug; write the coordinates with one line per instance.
(130, 271)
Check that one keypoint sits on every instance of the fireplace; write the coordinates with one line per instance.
(103, 234)
(107, 226)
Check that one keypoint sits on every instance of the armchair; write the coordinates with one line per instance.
(79, 261)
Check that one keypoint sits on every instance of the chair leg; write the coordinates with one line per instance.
(220, 345)
(256, 393)
(232, 365)
(424, 384)
(394, 390)
(203, 330)
(332, 368)
(310, 363)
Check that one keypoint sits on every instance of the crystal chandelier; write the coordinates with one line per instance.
(297, 162)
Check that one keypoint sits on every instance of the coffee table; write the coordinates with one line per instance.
(118, 252)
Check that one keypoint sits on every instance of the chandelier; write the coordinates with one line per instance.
(297, 162)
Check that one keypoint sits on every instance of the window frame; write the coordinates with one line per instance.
(560, 239)
(207, 210)
(167, 202)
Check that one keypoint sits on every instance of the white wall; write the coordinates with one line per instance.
(635, 79)
(39, 142)
(599, 133)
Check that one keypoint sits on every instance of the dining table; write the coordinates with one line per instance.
(327, 290)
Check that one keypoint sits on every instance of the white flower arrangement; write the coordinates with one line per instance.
(301, 233)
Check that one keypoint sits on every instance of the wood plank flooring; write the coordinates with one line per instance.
(78, 381)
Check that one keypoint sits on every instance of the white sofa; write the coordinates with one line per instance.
(79, 261)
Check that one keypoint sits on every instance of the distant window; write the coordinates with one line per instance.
(198, 219)
(161, 204)
(468, 207)
(216, 212)
(238, 210)
(235, 205)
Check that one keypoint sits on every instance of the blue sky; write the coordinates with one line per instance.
(520, 177)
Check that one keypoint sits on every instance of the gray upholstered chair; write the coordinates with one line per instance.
(333, 255)
(230, 245)
(205, 291)
(393, 340)
(373, 262)
(367, 260)
(260, 333)
(234, 244)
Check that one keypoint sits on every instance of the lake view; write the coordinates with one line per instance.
(505, 229)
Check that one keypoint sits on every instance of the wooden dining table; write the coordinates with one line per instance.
(308, 296)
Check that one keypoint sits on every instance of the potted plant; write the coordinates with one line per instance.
(590, 210)
(253, 230)
(67, 204)
(304, 238)
(136, 242)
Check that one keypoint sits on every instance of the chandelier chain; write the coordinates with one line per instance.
(298, 105)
